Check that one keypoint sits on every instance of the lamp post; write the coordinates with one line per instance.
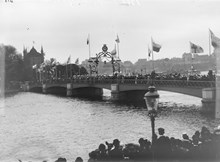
(151, 99)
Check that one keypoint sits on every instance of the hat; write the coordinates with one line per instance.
(116, 141)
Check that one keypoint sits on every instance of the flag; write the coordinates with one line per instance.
(195, 48)
(77, 61)
(68, 60)
(87, 42)
(114, 52)
(149, 52)
(155, 47)
(215, 41)
(117, 39)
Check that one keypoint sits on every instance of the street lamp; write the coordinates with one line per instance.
(152, 98)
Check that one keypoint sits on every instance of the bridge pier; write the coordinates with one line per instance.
(217, 104)
(26, 87)
(210, 101)
(69, 90)
(116, 95)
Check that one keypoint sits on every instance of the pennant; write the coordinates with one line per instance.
(215, 41)
(87, 42)
(114, 52)
(68, 60)
(77, 61)
(195, 48)
(117, 39)
(156, 47)
(149, 52)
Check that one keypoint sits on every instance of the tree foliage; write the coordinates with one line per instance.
(14, 64)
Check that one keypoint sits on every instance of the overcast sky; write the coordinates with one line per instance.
(62, 26)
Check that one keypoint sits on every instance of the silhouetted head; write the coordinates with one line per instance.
(116, 142)
(204, 129)
(197, 133)
(141, 141)
(101, 147)
(79, 159)
(185, 136)
(61, 160)
(161, 131)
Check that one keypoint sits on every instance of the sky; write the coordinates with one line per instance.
(62, 26)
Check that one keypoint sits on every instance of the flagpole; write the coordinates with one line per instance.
(118, 48)
(152, 53)
(89, 46)
(209, 43)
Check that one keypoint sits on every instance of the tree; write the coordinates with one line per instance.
(83, 71)
(14, 64)
(49, 68)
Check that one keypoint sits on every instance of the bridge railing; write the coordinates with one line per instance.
(170, 83)
(135, 81)
(184, 83)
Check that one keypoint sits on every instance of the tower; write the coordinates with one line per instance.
(24, 51)
(42, 50)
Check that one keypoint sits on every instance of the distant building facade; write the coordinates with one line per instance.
(187, 57)
(33, 57)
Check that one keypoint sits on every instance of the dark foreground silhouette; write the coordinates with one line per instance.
(202, 146)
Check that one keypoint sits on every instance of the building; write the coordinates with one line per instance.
(187, 57)
(33, 57)
(202, 58)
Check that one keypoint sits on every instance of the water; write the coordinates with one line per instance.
(37, 127)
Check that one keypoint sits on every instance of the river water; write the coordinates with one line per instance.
(37, 127)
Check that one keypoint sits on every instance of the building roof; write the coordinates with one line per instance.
(33, 52)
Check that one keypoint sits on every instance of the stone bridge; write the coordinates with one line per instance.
(121, 89)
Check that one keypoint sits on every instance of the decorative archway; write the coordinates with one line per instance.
(107, 57)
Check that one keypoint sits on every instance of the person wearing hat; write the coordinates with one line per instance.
(116, 153)
(186, 142)
(163, 146)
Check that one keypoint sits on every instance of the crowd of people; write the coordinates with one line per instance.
(139, 77)
(153, 75)
(203, 146)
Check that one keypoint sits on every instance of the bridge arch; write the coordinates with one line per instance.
(57, 90)
(37, 89)
(91, 92)
(195, 92)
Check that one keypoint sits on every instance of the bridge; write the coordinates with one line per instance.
(121, 89)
